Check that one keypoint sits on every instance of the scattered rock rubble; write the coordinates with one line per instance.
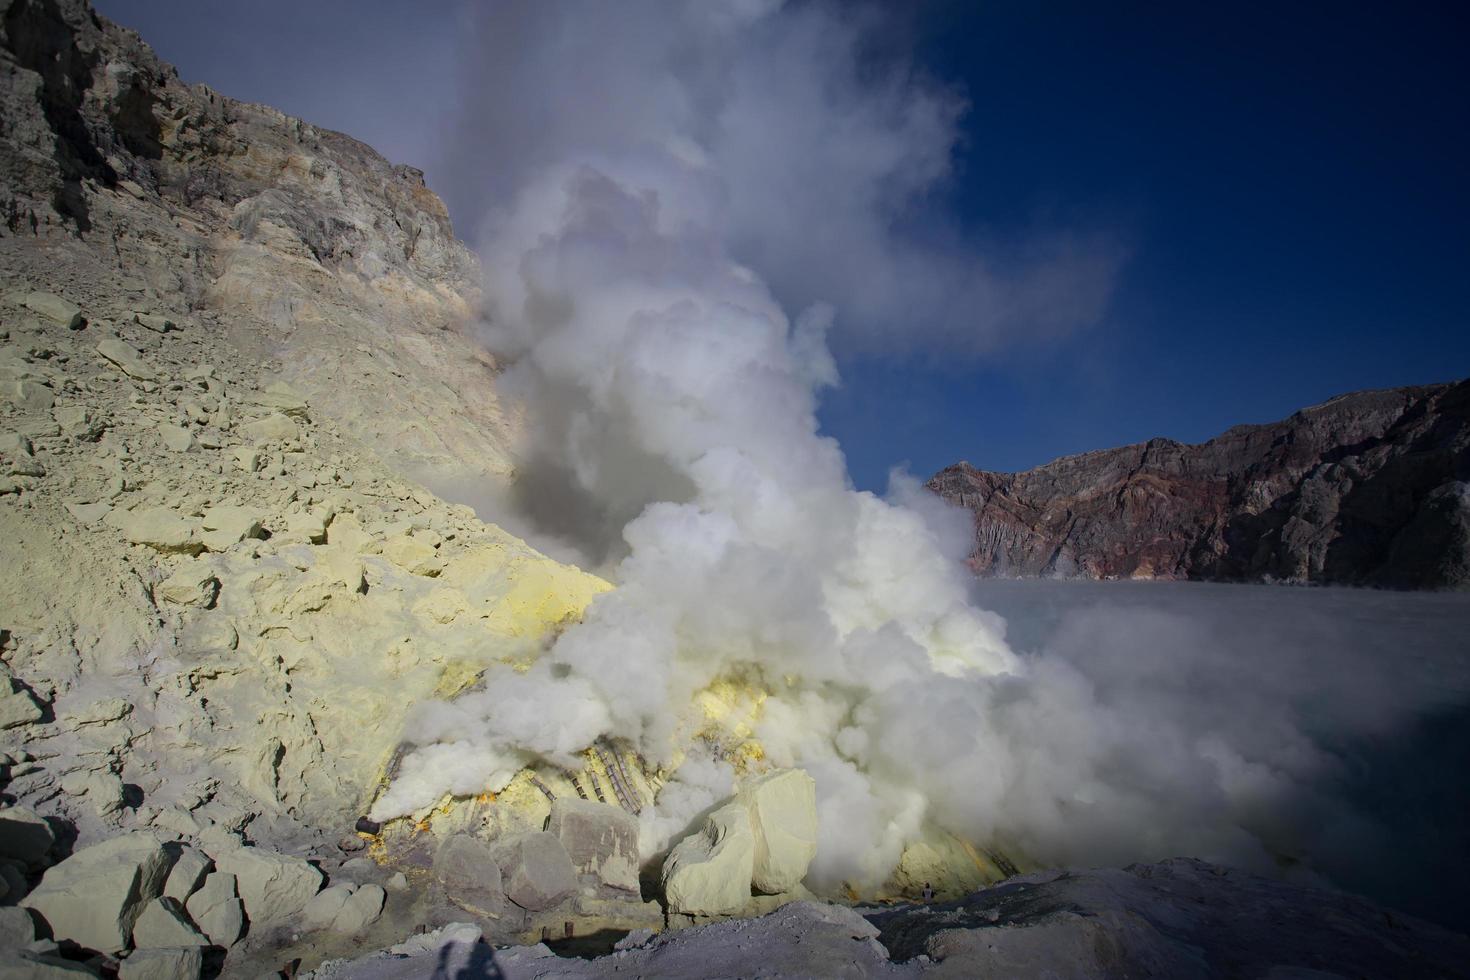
(1180, 918)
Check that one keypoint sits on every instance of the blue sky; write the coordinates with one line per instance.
(1289, 182)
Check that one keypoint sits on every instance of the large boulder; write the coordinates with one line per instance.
(163, 924)
(216, 909)
(361, 910)
(94, 897)
(708, 872)
(187, 874)
(468, 873)
(536, 872)
(55, 308)
(783, 816)
(272, 887)
(601, 840)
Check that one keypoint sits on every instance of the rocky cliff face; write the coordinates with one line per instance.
(303, 248)
(1371, 488)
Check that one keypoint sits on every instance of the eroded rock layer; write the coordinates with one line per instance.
(1371, 488)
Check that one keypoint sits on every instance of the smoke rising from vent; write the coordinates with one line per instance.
(662, 184)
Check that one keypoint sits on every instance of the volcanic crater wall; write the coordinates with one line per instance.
(1370, 488)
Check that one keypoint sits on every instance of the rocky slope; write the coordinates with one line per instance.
(1181, 918)
(304, 249)
(1371, 488)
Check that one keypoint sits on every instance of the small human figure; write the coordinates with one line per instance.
(928, 892)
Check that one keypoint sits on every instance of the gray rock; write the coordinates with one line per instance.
(163, 924)
(536, 871)
(55, 308)
(466, 869)
(17, 928)
(17, 707)
(217, 910)
(272, 887)
(27, 965)
(275, 427)
(361, 910)
(24, 836)
(154, 322)
(176, 438)
(162, 964)
(322, 910)
(94, 897)
(128, 359)
(187, 874)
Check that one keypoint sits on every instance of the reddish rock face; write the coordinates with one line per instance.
(1371, 488)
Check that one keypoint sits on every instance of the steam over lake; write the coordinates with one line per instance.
(1345, 715)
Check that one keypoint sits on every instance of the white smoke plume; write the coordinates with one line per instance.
(660, 179)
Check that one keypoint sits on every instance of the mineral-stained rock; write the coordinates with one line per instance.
(162, 964)
(272, 886)
(24, 836)
(708, 872)
(216, 909)
(411, 553)
(783, 817)
(55, 308)
(466, 869)
(536, 871)
(94, 897)
(162, 924)
(601, 840)
(1365, 489)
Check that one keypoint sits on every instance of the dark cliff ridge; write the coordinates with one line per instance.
(1370, 488)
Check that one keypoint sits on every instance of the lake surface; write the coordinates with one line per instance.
(1344, 715)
